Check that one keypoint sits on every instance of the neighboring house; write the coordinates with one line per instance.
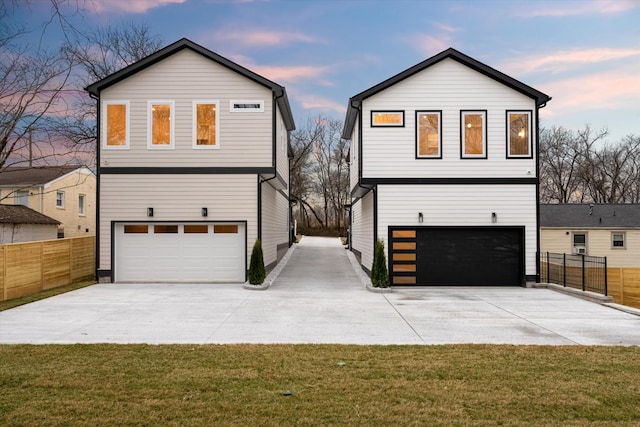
(19, 223)
(193, 167)
(65, 193)
(611, 230)
(444, 172)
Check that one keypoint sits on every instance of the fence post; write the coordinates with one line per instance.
(583, 288)
(606, 287)
(564, 269)
(548, 269)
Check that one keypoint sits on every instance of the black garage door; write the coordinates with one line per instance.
(466, 256)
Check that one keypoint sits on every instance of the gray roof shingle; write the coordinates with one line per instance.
(18, 214)
(590, 216)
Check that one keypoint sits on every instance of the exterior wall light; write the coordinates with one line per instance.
(494, 217)
(149, 211)
(205, 212)
(420, 217)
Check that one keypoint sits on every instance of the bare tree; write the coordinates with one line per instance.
(32, 81)
(559, 166)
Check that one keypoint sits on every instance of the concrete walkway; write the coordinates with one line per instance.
(317, 298)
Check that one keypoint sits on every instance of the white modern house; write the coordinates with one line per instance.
(193, 167)
(444, 171)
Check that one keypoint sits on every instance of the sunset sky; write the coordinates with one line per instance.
(584, 54)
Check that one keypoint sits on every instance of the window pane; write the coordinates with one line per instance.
(387, 118)
(473, 134)
(618, 240)
(579, 239)
(196, 229)
(81, 204)
(519, 134)
(161, 124)
(428, 134)
(225, 229)
(206, 124)
(60, 199)
(404, 233)
(165, 229)
(116, 125)
(136, 229)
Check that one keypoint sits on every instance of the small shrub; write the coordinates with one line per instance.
(379, 273)
(257, 273)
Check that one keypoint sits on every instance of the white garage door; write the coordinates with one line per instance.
(180, 252)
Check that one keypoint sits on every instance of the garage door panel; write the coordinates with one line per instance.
(458, 256)
(193, 254)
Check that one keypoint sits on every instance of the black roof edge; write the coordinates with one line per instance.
(540, 98)
(184, 43)
(350, 119)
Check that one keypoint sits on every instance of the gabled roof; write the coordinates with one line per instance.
(279, 91)
(355, 101)
(39, 175)
(590, 216)
(18, 214)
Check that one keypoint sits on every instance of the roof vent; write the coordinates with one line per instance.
(591, 209)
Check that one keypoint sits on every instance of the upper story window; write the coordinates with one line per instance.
(116, 125)
(59, 199)
(618, 240)
(519, 134)
(387, 118)
(160, 124)
(428, 134)
(22, 198)
(473, 134)
(81, 205)
(206, 119)
(244, 106)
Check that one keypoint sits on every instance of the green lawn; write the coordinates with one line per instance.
(304, 385)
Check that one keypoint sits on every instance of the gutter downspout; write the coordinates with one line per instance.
(97, 225)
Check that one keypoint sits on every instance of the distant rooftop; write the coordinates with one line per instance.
(590, 215)
(40, 175)
(18, 214)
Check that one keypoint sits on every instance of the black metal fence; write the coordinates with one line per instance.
(588, 273)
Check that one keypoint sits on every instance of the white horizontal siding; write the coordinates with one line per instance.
(282, 154)
(560, 240)
(354, 156)
(275, 225)
(175, 198)
(450, 87)
(362, 229)
(245, 138)
(455, 205)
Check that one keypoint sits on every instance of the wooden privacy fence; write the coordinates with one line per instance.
(28, 268)
(624, 286)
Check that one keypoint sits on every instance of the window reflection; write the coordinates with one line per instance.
(116, 125)
(161, 124)
(206, 124)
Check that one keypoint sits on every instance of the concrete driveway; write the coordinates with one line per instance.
(316, 298)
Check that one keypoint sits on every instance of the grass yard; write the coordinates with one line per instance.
(309, 385)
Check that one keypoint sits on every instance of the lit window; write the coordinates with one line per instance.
(81, 204)
(205, 124)
(59, 199)
(519, 134)
(387, 118)
(473, 132)
(617, 240)
(428, 134)
(116, 127)
(160, 124)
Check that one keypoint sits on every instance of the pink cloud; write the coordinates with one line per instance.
(560, 9)
(293, 73)
(309, 102)
(565, 60)
(263, 38)
(431, 45)
(132, 6)
(614, 90)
